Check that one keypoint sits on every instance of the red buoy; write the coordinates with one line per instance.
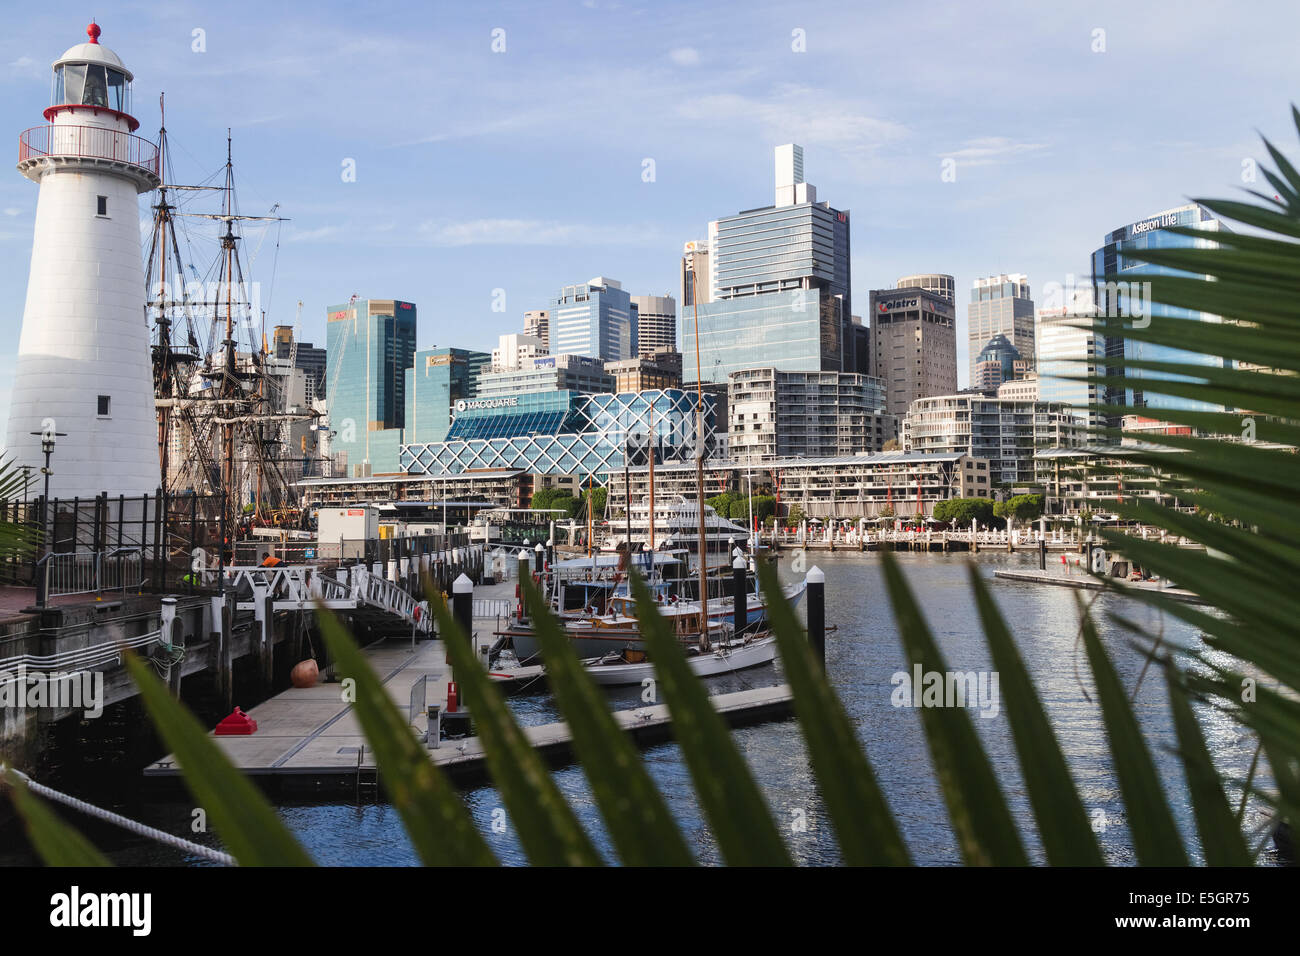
(237, 724)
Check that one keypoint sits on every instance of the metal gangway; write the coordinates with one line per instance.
(269, 590)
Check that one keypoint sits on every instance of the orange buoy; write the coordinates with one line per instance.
(304, 673)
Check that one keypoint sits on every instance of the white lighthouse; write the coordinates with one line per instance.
(83, 367)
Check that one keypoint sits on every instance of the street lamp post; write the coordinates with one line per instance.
(47, 446)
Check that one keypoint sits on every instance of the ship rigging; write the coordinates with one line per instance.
(228, 409)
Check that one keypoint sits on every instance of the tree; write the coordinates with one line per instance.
(961, 511)
(1025, 507)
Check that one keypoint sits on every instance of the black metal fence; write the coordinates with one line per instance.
(122, 543)
(347, 550)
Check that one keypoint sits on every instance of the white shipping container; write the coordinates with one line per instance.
(352, 526)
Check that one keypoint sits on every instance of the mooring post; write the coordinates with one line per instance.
(816, 581)
(462, 609)
(1042, 554)
(170, 629)
(523, 576)
(741, 600)
(263, 610)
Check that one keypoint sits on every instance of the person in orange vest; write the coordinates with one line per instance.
(271, 561)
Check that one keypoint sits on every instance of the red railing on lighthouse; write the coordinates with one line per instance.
(90, 142)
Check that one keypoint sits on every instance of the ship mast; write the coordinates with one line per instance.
(163, 386)
(699, 473)
(228, 381)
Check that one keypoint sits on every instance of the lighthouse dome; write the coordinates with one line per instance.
(93, 52)
(91, 75)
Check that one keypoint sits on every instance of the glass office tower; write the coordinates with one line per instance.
(439, 379)
(796, 331)
(1119, 294)
(370, 345)
(594, 318)
(779, 286)
(1000, 305)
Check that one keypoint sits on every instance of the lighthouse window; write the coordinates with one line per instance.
(96, 93)
(104, 402)
(69, 82)
(117, 90)
(101, 205)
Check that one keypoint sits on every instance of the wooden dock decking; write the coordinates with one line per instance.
(1085, 582)
(312, 737)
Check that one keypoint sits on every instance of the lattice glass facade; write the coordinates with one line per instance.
(563, 432)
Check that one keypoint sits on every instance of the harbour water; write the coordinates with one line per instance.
(863, 654)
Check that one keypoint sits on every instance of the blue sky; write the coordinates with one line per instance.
(522, 170)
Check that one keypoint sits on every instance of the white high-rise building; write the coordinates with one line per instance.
(83, 366)
(514, 351)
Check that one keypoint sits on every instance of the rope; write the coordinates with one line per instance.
(140, 829)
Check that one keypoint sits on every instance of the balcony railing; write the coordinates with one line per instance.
(90, 142)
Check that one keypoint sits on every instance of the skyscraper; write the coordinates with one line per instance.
(514, 349)
(779, 286)
(656, 324)
(439, 379)
(1124, 299)
(1000, 305)
(370, 346)
(913, 345)
(594, 318)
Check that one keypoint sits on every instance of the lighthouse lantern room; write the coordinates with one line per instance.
(83, 369)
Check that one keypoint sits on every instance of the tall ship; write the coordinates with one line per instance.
(237, 422)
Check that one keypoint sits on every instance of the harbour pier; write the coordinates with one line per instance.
(310, 740)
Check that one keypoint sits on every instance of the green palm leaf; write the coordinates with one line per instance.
(639, 823)
(739, 817)
(977, 810)
(548, 831)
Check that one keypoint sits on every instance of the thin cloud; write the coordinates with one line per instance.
(990, 150)
(685, 56)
